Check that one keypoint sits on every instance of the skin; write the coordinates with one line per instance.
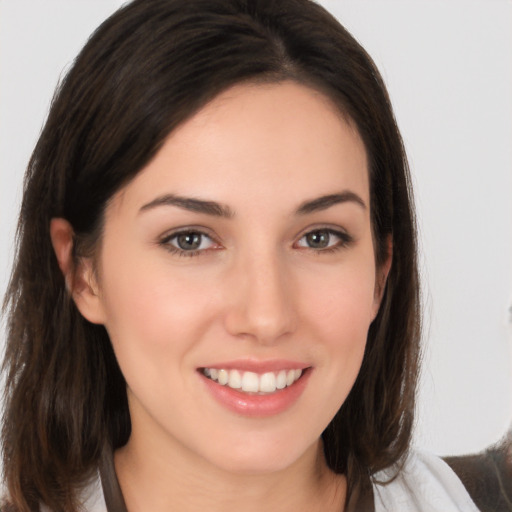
(256, 289)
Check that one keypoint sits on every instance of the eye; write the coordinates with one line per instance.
(188, 243)
(322, 239)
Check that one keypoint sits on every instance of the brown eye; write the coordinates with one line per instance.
(325, 239)
(189, 241)
(318, 239)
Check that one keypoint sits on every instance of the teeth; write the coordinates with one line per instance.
(223, 377)
(281, 380)
(251, 382)
(267, 383)
(235, 379)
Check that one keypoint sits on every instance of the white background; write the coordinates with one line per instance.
(448, 66)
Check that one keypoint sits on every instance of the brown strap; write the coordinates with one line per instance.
(361, 500)
(111, 488)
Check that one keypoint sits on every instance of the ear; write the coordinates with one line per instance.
(381, 276)
(80, 280)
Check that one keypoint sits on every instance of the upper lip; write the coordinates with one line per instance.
(259, 366)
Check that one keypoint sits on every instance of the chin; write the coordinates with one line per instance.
(263, 458)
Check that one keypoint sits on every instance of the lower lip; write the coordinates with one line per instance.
(257, 406)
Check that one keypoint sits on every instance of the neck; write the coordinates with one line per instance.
(173, 479)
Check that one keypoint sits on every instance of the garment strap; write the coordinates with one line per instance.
(109, 482)
(361, 500)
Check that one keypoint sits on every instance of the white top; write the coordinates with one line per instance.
(425, 484)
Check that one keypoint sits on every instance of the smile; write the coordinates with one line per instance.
(257, 389)
(251, 382)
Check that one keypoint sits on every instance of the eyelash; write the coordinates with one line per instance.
(345, 240)
(165, 242)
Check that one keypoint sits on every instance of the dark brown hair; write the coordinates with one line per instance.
(145, 70)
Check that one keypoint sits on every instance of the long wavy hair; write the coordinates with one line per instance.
(145, 70)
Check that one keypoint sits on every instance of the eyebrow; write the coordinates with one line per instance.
(324, 202)
(220, 210)
(191, 204)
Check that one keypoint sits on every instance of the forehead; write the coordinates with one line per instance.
(280, 142)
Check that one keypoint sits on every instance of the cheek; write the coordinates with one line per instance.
(340, 301)
(340, 310)
(151, 310)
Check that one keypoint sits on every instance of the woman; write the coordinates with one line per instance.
(215, 297)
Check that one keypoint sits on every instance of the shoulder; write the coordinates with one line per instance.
(424, 483)
(91, 497)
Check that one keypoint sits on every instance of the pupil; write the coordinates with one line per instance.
(189, 241)
(318, 239)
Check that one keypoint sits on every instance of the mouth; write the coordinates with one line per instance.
(256, 390)
(254, 383)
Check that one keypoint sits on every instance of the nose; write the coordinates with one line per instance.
(261, 300)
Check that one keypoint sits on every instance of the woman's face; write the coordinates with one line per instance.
(242, 252)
